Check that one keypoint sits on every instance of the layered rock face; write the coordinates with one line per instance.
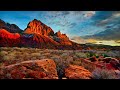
(34, 69)
(38, 27)
(10, 27)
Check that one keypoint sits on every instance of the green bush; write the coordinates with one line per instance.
(105, 55)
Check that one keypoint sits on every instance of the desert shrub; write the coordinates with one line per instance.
(3, 53)
(90, 54)
(118, 76)
(56, 52)
(103, 74)
(7, 57)
(75, 62)
(64, 54)
(60, 66)
(88, 66)
(1, 64)
(81, 55)
(34, 58)
(55, 57)
(35, 54)
(7, 48)
(113, 53)
(105, 55)
(23, 49)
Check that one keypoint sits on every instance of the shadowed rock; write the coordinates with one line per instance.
(10, 27)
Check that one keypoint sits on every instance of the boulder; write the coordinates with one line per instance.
(77, 72)
(35, 69)
(115, 63)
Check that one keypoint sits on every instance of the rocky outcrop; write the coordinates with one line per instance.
(77, 72)
(38, 27)
(9, 39)
(101, 62)
(115, 63)
(10, 27)
(62, 38)
(37, 40)
(36, 69)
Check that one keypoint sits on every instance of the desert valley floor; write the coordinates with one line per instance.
(63, 64)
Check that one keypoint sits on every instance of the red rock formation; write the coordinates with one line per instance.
(58, 34)
(36, 69)
(36, 35)
(9, 39)
(44, 39)
(4, 33)
(38, 40)
(38, 27)
(63, 39)
(108, 62)
(77, 72)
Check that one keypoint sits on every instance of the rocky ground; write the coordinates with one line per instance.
(33, 63)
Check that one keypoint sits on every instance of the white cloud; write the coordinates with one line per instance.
(89, 13)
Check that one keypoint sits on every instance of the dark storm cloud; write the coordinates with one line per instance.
(110, 33)
(100, 16)
(110, 21)
(104, 18)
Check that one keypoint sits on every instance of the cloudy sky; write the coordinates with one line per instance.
(73, 23)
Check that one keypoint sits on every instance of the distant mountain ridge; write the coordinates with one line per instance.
(12, 28)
